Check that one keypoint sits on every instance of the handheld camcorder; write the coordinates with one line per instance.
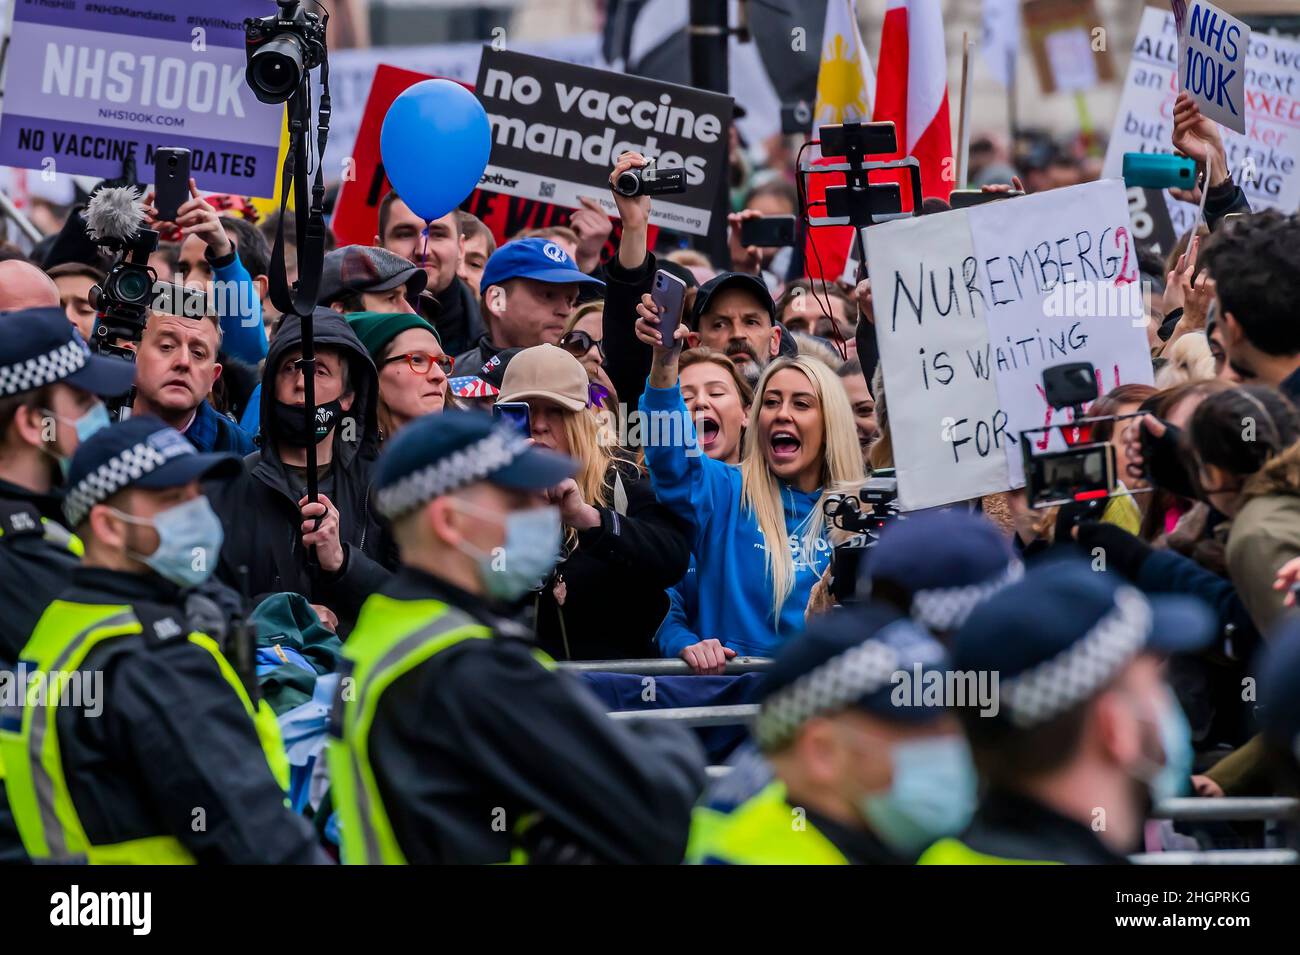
(863, 515)
(1084, 472)
(282, 49)
(650, 180)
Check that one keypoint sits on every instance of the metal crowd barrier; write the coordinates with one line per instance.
(694, 715)
(1219, 857)
(1226, 809)
(662, 667)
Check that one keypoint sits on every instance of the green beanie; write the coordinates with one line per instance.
(377, 329)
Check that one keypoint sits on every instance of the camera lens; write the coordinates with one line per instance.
(628, 183)
(276, 69)
(133, 286)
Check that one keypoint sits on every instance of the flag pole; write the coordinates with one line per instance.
(963, 123)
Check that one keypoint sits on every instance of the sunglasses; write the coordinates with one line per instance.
(578, 343)
(420, 362)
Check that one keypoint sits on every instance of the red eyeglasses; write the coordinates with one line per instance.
(421, 361)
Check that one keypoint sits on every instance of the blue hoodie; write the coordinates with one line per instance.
(732, 583)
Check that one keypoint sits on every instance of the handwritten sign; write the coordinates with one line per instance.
(1212, 64)
(1265, 160)
(972, 305)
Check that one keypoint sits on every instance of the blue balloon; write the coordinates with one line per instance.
(435, 143)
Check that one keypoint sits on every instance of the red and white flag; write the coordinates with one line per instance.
(912, 89)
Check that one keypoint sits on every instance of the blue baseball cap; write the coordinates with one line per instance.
(940, 564)
(39, 347)
(538, 259)
(1060, 634)
(440, 453)
(854, 656)
(139, 452)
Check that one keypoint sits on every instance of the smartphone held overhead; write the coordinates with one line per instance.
(669, 295)
(171, 181)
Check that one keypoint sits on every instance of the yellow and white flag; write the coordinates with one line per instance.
(846, 82)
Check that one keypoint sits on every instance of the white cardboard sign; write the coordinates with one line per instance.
(971, 306)
(1212, 63)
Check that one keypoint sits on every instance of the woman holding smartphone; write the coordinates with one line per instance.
(622, 548)
(758, 531)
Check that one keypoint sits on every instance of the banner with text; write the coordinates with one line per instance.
(1211, 64)
(557, 129)
(1263, 159)
(89, 85)
(972, 305)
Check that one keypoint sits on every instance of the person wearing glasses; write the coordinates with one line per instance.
(413, 368)
(335, 551)
(622, 548)
(582, 339)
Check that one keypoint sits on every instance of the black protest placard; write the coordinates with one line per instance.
(557, 129)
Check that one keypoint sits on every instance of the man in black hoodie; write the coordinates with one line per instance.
(271, 528)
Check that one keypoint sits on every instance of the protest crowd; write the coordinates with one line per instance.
(607, 467)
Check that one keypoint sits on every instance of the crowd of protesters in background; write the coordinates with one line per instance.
(712, 542)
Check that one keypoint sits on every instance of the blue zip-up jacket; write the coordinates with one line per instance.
(733, 588)
(243, 334)
(677, 632)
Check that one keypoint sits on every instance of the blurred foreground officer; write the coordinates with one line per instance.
(865, 772)
(1087, 735)
(1279, 692)
(50, 390)
(136, 741)
(455, 739)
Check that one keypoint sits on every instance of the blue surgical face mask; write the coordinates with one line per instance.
(189, 542)
(92, 421)
(1173, 777)
(530, 552)
(932, 794)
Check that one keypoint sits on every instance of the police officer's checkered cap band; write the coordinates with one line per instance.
(67, 359)
(112, 476)
(461, 469)
(828, 689)
(1072, 676)
(946, 608)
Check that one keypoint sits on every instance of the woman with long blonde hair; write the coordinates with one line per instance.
(622, 548)
(759, 533)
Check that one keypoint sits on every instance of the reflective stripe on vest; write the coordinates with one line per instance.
(39, 796)
(763, 830)
(390, 639)
(956, 852)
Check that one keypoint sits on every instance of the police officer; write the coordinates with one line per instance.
(455, 740)
(50, 390)
(1087, 733)
(136, 741)
(865, 770)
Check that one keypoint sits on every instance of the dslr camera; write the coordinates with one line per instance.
(282, 49)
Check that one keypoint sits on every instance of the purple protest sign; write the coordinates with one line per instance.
(89, 84)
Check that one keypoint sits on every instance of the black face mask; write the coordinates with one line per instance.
(291, 426)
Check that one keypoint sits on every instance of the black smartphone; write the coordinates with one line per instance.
(515, 412)
(768, 232)
(669, 293)
(965, 198)
(171, 181)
